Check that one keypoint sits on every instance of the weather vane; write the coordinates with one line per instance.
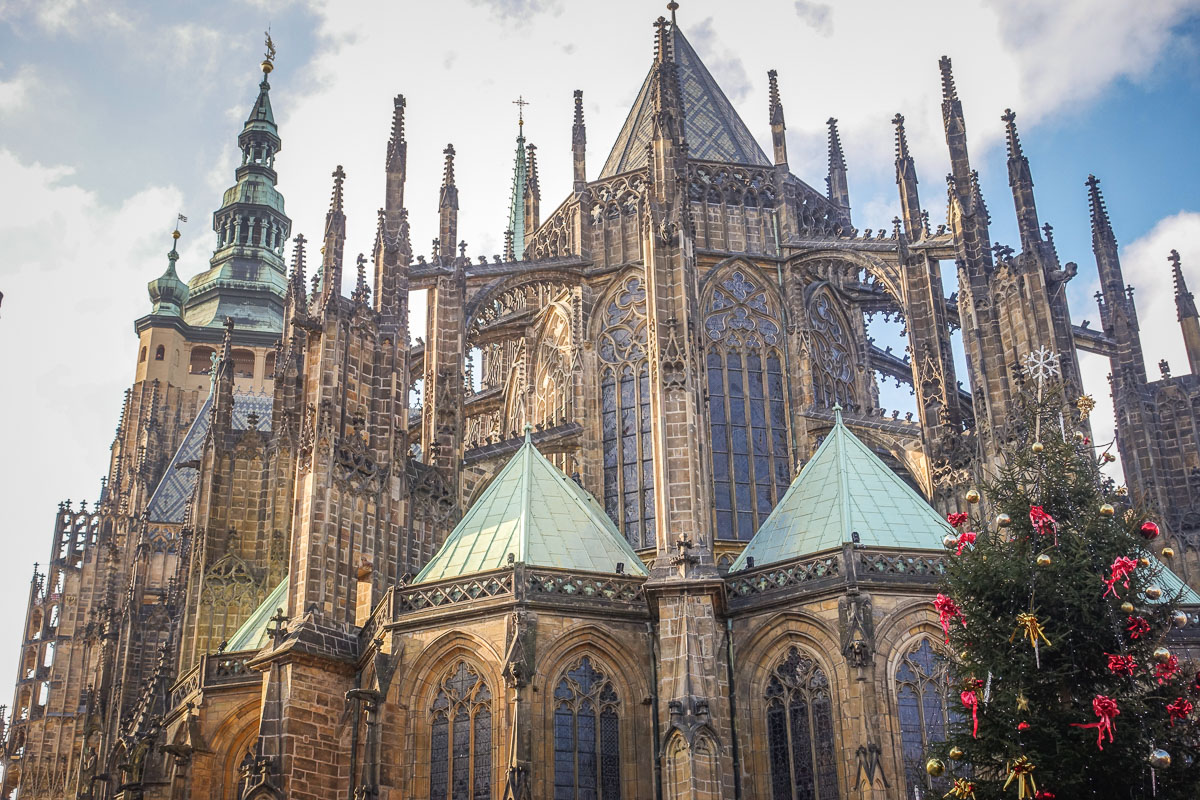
(268, 57)
(520, 103)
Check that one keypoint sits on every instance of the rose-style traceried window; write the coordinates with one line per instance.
(460, 763)
(587, 751)
(800, 737)
(625, 413)
(747, 411)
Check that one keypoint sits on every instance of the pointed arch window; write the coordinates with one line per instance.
(460, 762)
(625, 414)
(800, 740)
(923, 689)
(747, 414)
(833, 375)
(587, 755)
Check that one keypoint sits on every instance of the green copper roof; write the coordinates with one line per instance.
(167, 292)
(844, 489)
(711, 125)
(541, 517)
(1172, 584)
(253, 633)
(516, 208)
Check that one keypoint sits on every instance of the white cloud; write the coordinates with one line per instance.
(15, 92)
(1144, 264)
(818, 16)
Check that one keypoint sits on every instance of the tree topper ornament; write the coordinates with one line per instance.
(1041, 365)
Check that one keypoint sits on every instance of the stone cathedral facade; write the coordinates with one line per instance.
(647, 534)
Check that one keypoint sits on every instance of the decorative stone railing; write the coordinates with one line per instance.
(214, 670)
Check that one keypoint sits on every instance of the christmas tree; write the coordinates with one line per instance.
(1059, 622)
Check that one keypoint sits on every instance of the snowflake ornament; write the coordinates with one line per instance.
(1042, 365)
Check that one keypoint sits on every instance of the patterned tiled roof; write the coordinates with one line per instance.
(712, 127)
(252, 635)
(844, 489)
(169, 500)
(543, 518)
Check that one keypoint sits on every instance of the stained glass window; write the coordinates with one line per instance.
(625, 414)
(460, 742)
(587, 753)
(800, 738)
(922, 690)
(747, 419)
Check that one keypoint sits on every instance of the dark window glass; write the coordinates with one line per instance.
(923, 688)
(587, 757)
(460, 763)
(800, 738)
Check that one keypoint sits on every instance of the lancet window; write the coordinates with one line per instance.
(800, 740)
(460, 763)
(923, 688)
(625, 414)
(587, 753)
(747, 416)
(833, 375)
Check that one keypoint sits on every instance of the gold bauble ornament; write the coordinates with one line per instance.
(1043, 560)
(935, 767)
(972, 496)
(1107, 510)
(1162, 655)
(1079, 436)
(1159, 758)
(1180, 618)
(1143, 562)
(1168, 552)
(1127, 607)
(949, 541)
(1153, 592)
(956, 753)
(1038, 447)
(1003, 520)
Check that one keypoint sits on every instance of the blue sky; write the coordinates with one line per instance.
(116, 115)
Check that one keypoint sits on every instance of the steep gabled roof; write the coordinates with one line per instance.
(844, 489)
(712, 128)
(252, 635)
(170, 497)
(540, 516)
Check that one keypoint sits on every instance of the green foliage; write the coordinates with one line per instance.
(1000, 578)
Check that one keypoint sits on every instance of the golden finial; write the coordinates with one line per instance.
(268, 63)
(672, 7)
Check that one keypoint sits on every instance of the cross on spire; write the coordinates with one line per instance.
(520, 103)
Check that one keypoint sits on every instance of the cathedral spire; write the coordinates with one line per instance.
(515, 232)
(297, 291)
(579, 146)
(1189, 319)
(906, 180)
(836, 184)
(393, 251)
(335, 240)
(775, 113)
(397, 157)
(448, 209)
(1021, 182)
(955, 125)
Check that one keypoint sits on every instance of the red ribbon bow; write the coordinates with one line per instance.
(956, 519)
(947, 610)
(1166, 671)
(1122, 568)
(1106, 709)
(1121, 665)
(971, 701)
(1179, 709)
(1043, 523)
(1138, 627)
(965, 538)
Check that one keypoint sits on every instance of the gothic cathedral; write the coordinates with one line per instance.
(647, 534)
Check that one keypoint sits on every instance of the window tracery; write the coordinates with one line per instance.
(800, 739)
(747, 415)
(923, 688)
(625, 414)
(587, 754)
(460, 761)
(833, 375)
